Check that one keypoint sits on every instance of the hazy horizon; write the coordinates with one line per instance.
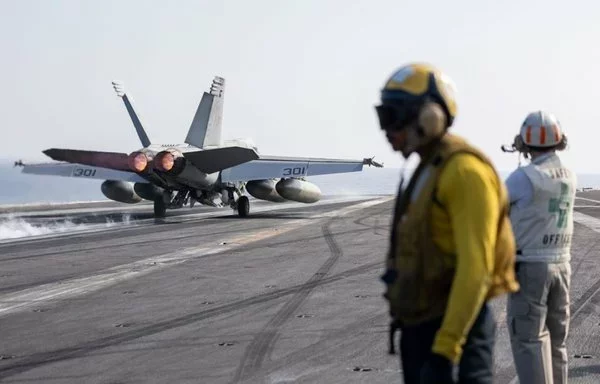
(26, 189)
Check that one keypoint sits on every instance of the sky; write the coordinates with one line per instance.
(302, 77)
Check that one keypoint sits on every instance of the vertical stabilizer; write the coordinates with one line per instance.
(205, 130)
(120, 90)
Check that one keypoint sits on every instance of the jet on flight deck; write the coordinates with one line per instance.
(206, 169)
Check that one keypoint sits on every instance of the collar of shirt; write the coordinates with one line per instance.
(543, 158)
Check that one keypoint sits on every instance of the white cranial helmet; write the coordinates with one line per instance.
(542, 130)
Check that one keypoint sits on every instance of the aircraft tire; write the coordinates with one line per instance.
(160, 208)
(243, 206)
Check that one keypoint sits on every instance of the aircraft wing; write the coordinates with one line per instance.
(111, 160)
(217, 159)
(267, 167)
(81, 171)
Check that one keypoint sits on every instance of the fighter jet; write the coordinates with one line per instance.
(205, 169)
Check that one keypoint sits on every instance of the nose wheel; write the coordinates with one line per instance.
(161, 203)
(243, 206)
(160, 208)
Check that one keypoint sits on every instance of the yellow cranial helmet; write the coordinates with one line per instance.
(409, 89)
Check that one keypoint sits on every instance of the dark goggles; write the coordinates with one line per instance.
(396, 116)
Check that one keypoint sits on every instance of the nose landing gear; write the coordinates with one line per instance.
(243, 206)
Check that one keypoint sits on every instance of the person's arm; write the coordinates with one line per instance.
(520, 189)
(468, 190)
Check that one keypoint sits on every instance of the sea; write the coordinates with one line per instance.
(17, 189)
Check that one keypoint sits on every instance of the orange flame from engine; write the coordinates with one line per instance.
(166, 162)
(138, 161)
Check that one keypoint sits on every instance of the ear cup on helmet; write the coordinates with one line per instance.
(432, 120)
(563, 143)
(519, 144)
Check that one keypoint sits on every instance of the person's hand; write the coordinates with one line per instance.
(437, 370)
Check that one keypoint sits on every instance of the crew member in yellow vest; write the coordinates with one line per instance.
(452, 248)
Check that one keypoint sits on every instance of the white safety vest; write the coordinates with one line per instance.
(544, 228)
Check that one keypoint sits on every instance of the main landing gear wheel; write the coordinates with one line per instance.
(243, 206)
(160, 208)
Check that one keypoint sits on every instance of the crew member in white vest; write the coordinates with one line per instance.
(542, 194)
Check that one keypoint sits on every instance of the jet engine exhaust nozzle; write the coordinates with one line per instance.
(138, 161)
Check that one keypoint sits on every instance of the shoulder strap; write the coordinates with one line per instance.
(452, 145)
(402, 201)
